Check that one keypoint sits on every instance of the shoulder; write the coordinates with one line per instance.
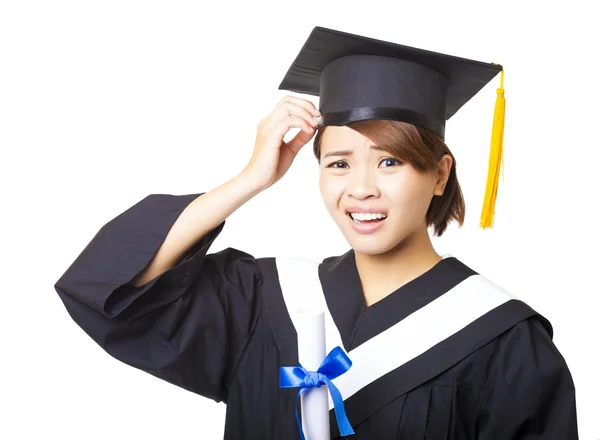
(525, 359)
(533, 332)
(530, 341)
(510, 333)
(511, 304)
(528, 389)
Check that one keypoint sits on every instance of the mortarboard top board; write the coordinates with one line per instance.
(359, 78)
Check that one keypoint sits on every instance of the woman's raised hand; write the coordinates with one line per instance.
(272, 157)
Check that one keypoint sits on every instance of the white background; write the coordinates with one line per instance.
(103, 103)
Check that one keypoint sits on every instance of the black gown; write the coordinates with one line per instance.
(216, 324)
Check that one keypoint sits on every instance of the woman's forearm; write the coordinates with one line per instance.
(201, 216)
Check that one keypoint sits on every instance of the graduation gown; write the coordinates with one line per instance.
(217, 324)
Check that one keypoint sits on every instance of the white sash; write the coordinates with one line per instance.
(404, 341)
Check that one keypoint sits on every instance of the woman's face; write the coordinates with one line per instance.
(372, 179)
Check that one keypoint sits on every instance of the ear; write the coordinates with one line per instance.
(442, 174)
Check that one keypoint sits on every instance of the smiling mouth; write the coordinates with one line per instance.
(366, 219)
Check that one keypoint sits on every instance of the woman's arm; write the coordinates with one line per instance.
(202, 215)
(271, 159)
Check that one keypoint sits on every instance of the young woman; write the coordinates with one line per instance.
(219, 324)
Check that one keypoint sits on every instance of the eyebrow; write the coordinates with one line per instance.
(349, 152)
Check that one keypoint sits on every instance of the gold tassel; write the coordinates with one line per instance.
(496, 158)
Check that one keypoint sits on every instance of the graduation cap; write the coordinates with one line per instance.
(359, 78)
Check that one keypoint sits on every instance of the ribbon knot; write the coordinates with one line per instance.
(335, 364)
(312, 379)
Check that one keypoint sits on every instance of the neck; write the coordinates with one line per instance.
(382, 274)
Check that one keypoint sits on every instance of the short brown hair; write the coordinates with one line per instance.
(422, 149)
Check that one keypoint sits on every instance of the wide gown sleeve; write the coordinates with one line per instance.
(188, 326)
(530, 392)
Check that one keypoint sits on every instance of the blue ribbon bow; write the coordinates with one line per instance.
(335, 364)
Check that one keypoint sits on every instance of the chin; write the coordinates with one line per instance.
(372, 244)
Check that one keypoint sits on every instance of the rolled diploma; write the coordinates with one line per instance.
(311, 353)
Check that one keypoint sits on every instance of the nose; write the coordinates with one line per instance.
(362, 183)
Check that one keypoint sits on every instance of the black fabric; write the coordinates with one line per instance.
(353, 74)
(216, 325)
(433, 362)
(189, 325)
(357, 322)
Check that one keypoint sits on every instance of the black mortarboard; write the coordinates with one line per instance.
(359, 78)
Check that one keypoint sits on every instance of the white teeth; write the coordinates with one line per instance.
(361, 216)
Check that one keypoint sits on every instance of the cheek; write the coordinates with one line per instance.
(397, 192)
(407, 194)
(332, 193)
(331, 189)
(326, 194)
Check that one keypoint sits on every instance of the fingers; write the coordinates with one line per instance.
(298, 141)
(293, 112)
(304, 103)
(288, 116)
(306, 124)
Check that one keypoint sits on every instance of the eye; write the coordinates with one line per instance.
(392, 159)
(331, 165)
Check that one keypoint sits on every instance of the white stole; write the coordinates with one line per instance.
(404, 341)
